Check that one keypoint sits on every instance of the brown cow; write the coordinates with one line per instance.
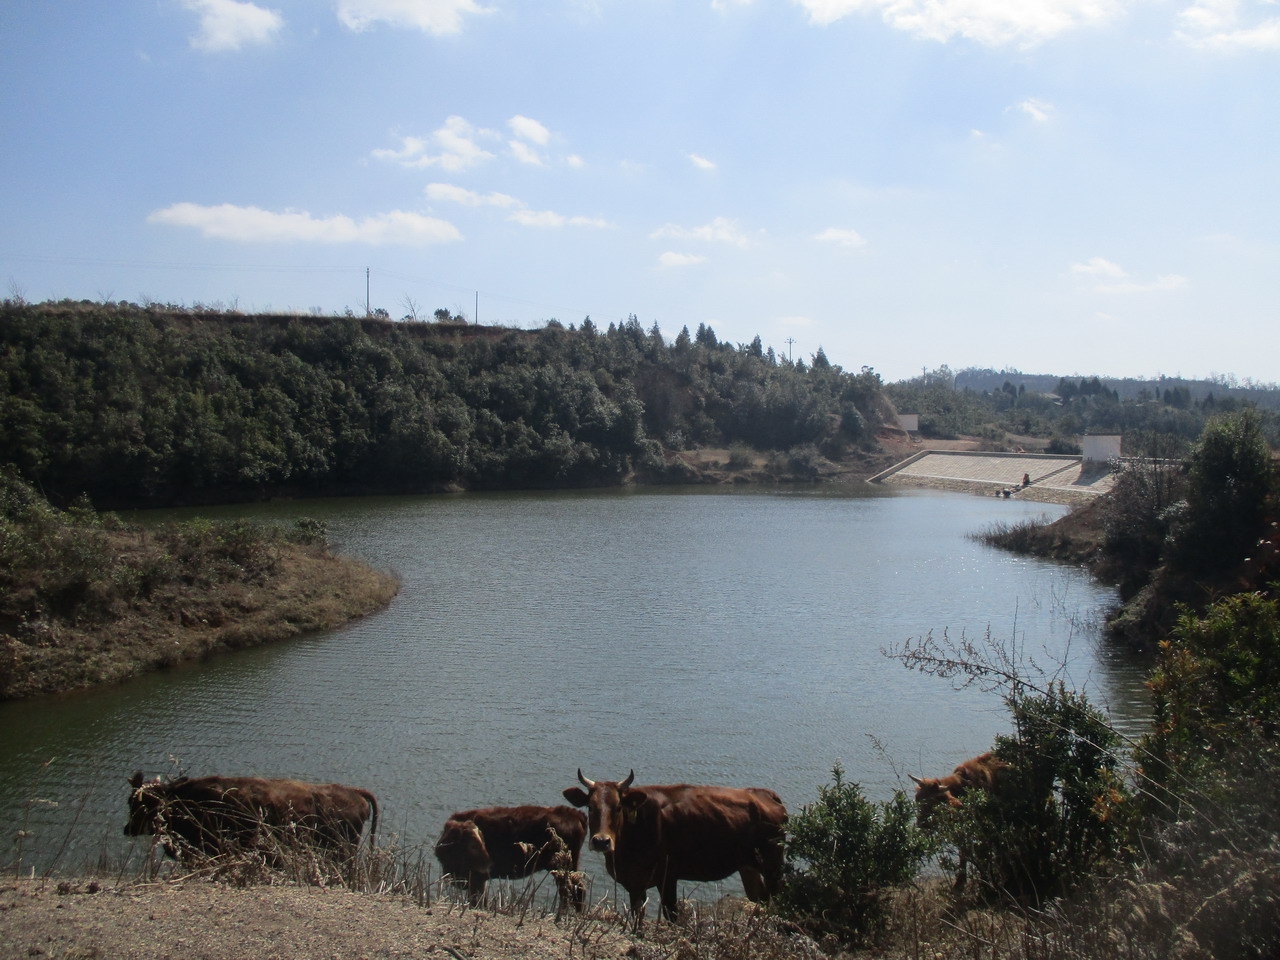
(654, 836)
(510, 843)
(983, 772)
(213, 815)
(977, 773)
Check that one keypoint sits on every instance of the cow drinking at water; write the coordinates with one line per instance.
(655, 836)
(215, 815)
(983, 772)
(977, 773)
(511, 843)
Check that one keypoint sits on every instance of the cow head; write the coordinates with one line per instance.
(610, 806)
(935, 792)
(145, 802)
(462, 852)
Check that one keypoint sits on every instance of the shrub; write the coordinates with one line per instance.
(1230, 478)
(740, 457)
(1217, 689)
(1061, 812)
(843, 855)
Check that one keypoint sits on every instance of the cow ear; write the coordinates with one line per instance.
(634, 799)
(577, 796)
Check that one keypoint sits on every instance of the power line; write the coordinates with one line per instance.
(301, 268)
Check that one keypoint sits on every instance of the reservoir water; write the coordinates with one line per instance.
(713, 636)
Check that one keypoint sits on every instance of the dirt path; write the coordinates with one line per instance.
(209, 921)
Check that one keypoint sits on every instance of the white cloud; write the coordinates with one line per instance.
(1037, 110)
(230, 25)
(1166, 282)
(469, 198)
(841, 235)
(455, 144)
(439, 17)
(525, 153)
(1117, 278)
(255, 225)
(991, 22)
(1219, 25)
(672, 259)
(702, 163)
(531, 130)
(796, 321)
(549, 218)
(1099, 267)
(575, 161)
(719, 230)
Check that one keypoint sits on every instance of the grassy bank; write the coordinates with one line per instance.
(86, 599)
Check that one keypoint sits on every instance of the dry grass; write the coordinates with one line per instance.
(177, 619)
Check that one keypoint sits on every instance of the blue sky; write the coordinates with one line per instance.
(1058, 186)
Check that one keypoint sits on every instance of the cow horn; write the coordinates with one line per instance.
(589, 784)
(627, 782)
(918, 782)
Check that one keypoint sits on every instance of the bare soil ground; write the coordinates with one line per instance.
(211, 921)
(62, 920)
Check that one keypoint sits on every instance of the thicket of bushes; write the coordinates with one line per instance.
(153, 405)
(86, 598)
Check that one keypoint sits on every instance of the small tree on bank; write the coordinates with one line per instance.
(844, 854)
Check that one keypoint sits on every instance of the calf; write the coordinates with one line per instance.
(210, 816)
(510, 843)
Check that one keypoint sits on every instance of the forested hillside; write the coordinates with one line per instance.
(158, 405)
(1061, 409)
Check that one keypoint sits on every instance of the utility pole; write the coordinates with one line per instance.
(789, 341)
(366, 291)
(477, 308)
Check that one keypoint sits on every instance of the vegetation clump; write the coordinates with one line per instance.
(153, 406)
(845, 855)
(87, 599)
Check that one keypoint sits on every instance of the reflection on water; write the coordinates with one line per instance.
(707, 636)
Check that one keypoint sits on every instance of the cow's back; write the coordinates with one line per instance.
(709, 833)
(211, 812)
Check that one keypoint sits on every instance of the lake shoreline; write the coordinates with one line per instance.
(312, 590)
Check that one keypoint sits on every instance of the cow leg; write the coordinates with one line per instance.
(475, 889)
(639, 901)
(670, 904)
(771, 861)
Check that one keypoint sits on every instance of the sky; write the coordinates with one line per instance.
(1070, 187)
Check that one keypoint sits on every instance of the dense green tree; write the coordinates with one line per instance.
(1230, 480)
(158, 405)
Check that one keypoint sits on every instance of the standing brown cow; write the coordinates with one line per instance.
(655, 836)
(982, 772)
(977, 773)
(213, 815)
(510, 843)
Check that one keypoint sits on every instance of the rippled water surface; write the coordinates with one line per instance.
(709, 636)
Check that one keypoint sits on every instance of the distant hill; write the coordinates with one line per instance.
(152, 405)
(1266, 395)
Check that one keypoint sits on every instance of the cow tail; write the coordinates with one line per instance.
(373, 824)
